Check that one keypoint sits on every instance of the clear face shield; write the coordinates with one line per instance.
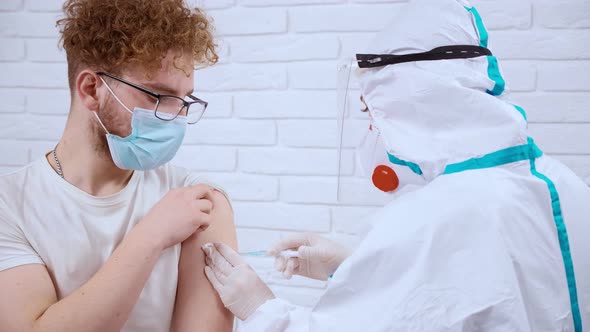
(378, 175)
(357, 138)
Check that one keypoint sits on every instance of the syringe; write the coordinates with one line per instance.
(264, 253)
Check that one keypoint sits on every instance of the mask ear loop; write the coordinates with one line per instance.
(115, 96)
(101, 124)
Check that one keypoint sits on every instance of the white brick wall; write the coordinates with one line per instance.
(269, 134)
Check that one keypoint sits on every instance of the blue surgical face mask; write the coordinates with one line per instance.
(152, 142)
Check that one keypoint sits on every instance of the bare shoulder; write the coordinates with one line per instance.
(222, 202)
(222, 227)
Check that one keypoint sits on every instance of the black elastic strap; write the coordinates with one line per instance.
(439, 53)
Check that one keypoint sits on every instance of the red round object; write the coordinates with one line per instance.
(385, 179)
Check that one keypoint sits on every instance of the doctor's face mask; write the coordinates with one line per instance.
(375, 162)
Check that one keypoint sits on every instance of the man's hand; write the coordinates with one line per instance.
(318, 256)
(179, 214)
(241, 290)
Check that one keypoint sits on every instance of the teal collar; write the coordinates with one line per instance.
(529, 151)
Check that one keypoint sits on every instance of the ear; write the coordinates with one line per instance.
(87, 84)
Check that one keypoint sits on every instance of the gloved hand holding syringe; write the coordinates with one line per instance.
(307, 255)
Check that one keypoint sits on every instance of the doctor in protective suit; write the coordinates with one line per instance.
(494, 239)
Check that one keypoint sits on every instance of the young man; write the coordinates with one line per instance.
(101, 234)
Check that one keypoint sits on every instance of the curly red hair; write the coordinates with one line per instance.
(110, 35)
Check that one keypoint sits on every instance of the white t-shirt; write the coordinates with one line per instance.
(46, 220)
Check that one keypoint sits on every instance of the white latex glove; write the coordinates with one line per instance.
(239, 287)
(318, 256)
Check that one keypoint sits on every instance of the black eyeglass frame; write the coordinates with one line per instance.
(185, 104)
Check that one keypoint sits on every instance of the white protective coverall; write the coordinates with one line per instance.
(492, 241)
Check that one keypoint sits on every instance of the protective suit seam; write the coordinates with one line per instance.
(563, 244)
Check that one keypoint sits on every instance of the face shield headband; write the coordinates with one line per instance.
(439, 53)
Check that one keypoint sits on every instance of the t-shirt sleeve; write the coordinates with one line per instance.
(15, 249)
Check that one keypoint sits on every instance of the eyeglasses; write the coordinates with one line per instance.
(169, 107)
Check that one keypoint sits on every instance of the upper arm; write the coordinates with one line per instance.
(198, 307)
(27, 291)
